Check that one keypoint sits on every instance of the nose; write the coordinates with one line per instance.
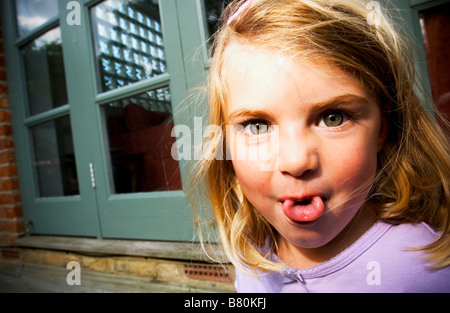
(298, 154)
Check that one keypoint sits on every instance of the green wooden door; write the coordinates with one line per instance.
(54, 198)
(127, 72)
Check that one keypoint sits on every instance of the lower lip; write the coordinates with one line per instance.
(303, 213)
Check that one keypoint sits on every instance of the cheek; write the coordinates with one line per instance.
(355, 167)
(253, 181)
(249, 170)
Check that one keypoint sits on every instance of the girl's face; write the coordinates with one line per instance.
(303, 140)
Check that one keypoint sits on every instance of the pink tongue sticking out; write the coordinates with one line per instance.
(304, 211)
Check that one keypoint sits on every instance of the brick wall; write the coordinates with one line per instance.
(11, 217)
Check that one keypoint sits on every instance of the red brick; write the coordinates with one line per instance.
(9, 170)
(15, 211)
(5, 116)
(7, 157)
(11, 212)
(4, 89)
(4, 103)
(12, 238)
(6, 130)
(10, 199)
(12, 226)
(8, 239)
(10, 254)
(6, 143)
(9, 184)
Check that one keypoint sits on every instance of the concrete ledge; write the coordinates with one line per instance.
(200, 275)
(37, 278)
(115, 247)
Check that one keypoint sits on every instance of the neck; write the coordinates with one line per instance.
(298, 257)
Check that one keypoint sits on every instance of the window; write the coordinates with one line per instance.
(54, 160)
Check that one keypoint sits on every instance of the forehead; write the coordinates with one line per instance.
(255, 76)
(239, 51)
(240, 57)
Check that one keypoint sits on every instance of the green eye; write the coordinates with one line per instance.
(333, 119)
(257, 128)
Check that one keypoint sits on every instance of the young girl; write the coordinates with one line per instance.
(336, 179)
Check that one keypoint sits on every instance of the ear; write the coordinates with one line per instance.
(384, 130)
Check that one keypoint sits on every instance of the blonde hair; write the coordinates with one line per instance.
(412, 182)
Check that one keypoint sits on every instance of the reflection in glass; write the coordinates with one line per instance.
(44, 70)
(129, 42)
(213, 12)
(139, 132)
(34, 13)
(54, 159)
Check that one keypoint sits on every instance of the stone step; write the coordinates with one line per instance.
(39, 278)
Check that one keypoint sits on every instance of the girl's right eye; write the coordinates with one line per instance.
(333, 119)
(256, 127)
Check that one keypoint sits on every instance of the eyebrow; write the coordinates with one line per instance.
(347, 100)
(240, 113)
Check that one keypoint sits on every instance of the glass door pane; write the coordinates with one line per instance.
(140, 142)
(213, 12)
(34, 13)
(128, 41)
(54, 159)
(45, 75)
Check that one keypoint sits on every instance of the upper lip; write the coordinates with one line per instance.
(302, 197)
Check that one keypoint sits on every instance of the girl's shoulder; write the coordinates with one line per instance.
(402, 245)
(404, 264)
(406, 242)
(416, 234)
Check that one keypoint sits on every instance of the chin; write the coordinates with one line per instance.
(318, 233)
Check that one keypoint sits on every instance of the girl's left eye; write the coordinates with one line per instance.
(332, 119)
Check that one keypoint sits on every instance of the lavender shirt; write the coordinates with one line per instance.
(379, 261)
